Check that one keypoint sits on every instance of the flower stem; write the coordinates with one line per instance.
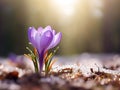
(36, 65)
(41, 59)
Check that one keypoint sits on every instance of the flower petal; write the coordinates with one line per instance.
(56, 40)
(53, 32)
(48, 28)
(31, 35)
(45, 40)
(40, 29)
(37, 40)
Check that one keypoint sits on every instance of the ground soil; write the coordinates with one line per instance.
(86, 72)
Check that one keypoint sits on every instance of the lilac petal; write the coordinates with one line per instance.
(48, 28)
(56, 40)
(53, 32)
(37, 40)
(45, 40)
(31, 35)
(40, 29)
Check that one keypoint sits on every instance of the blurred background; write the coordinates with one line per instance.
(91, 26)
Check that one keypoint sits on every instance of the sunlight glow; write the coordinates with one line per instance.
(65, 7)
(96, 8)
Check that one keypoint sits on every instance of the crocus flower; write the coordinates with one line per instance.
(15, 59)
(12, 57)
(43, 39)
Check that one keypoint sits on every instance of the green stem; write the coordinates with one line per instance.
(35, 62)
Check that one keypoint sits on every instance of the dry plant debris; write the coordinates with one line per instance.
(85, 75)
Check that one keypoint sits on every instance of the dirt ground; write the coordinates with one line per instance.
(79, 72)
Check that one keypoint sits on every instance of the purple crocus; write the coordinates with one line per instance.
(43, 39)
